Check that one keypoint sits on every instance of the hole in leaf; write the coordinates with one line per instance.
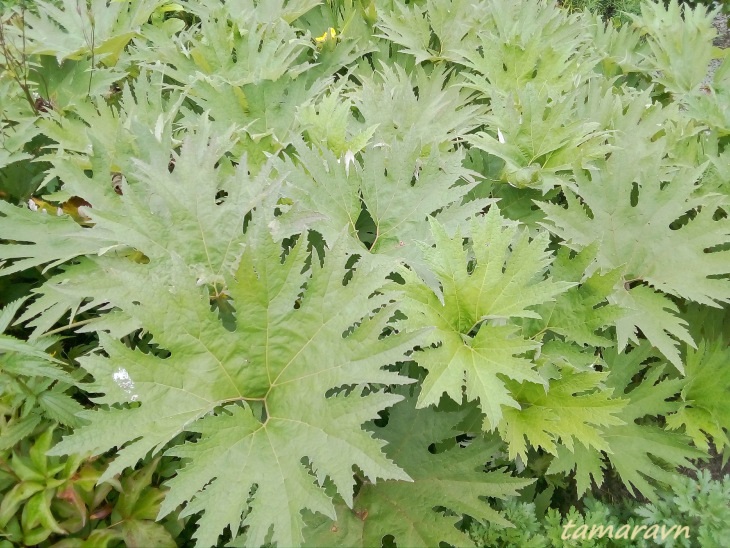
(634, 194)
(352, 261)
(388, 542)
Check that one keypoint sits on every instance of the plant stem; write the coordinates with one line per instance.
(69, 326)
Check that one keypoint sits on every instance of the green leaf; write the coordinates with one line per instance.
(13, 499)
(59, 407)
(573, 408)
(98, 538)
(330, 122)
(14, 138)
(68, 83)
(258, 395)
(133, 486)
(410, 29)
(636, 448)
(139, 534)
(531, 43)
(14, 431)
(37, 512)
(504, 281)
(641, 453)
(399, 186)
(426, 104)
(102, 28)
(26, 470)
(37, 453)
(539, 136)
(656, 317)
(583, 310)
(706, 412)
(412, 511)
(680, 40)
(159, 214)
(645, 231)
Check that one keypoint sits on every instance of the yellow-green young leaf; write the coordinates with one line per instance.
(330, 122)
(35, 536)
(98, 538)
(573, 408)
(37, 453)
(37, 512)
(25, 469)
(641, 453)
(474, 349)
(16, 430)
(452, 478)
(275, 386)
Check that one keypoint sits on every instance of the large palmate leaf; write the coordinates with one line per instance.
(426, 104)
(246, 231)
(643, 227)
(619, 210)
(450, 479)
(641, 453)
(519, 43)
(473, 345)
(680, 40)
(388, 200)
(538, 135)
(196, 214)
(259, 394)
(74, 30)
(249, 65)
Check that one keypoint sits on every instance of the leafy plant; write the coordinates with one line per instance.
(701, 503)
(352, 272)
(51, 497)
(617, 10)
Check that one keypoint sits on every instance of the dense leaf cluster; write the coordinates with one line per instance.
(343, 261)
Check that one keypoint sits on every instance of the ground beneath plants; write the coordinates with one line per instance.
(722, 40)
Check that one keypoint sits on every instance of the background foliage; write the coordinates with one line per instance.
(359, 273)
